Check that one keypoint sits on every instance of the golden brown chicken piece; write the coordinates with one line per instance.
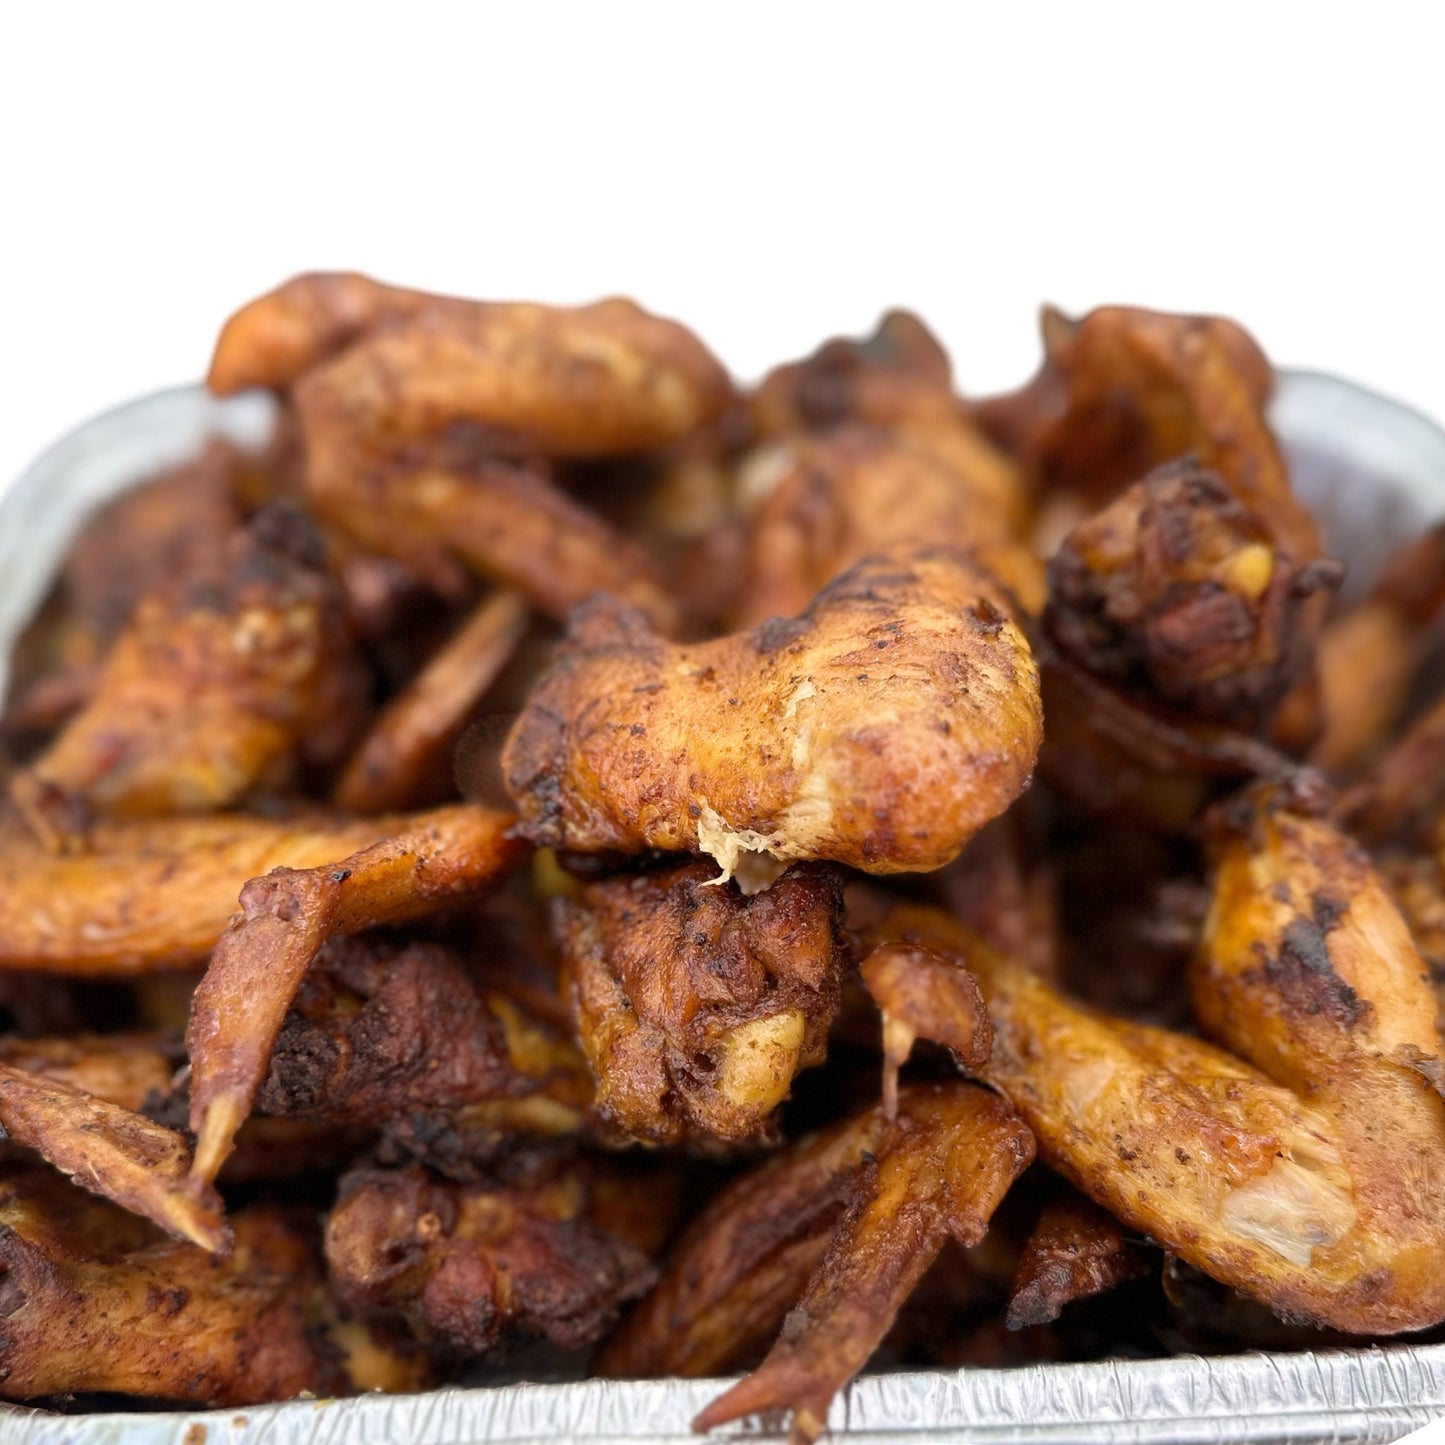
(881, 729)
(217, 686)
(1123, 390)
(409, 1039)
(95, 1299)
(127, 1158)
(463, 1265)
(554, 380)
(152, 895)
(380, 374)
(1280, 1169)
(897, 381)
(447, 516)
(834, 500)
(122, 1068)
(409, 745)
(923, 995)
(1076, 1251)
(1175, 594)
(286, 915)
(941, 1169)
(696, 1005)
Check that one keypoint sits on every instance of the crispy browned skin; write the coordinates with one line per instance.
(897, 381)
(464, 1265)
(860, 490)
(1076, 1250)
(945, 1163)
(1123, 390)
(123, 1068)
(111, 1151)
(1280, 1170)
(152, 895)
(410, 1039)
(95, 1299)
(581, 380)
(216, 686)
(399, 757)
(447, 517)
(1176, 593)
(696, 1005)
(923, 995)
(881, 729)
(286, 916)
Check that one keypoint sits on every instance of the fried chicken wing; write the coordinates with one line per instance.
(858, 490)
(286, 916)
(554, 380)
(1405, 791)
(152, 895)
(942, 1167)
(110, 1151)
(399, 757)
(695, 1004)
(1076, 1251)
(881, 729)
(1123, 390)
(94, 1299)
(409, 1039)
(121, 1068)
(464, 1265)
(214, 687)
(1277, 1169)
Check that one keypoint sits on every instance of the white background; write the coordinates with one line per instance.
(770, 173)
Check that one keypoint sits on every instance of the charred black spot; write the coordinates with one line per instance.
(1304, 975)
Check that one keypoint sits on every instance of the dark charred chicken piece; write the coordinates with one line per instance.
(96, 1300)
(409, 1039)
(466, 1265)
(218, 686)
(696, 1005)
(1076, 1250)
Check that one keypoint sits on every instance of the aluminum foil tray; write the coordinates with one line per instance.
(1374, 472)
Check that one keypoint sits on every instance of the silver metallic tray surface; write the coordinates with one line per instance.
(1374, 472)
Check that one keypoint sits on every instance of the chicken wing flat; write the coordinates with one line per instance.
(152, 895)
(113, 1152)
(464, 1265)
(1076, 1250)
(696, 1005)
(1276, 1169)
(947, 1160)
(1124, 390)
(94, 1299)
(286, 916)
(858, 490)
(552, 380)
(408, 1038)
(881, 729)
(411, 740)
(214, 688)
